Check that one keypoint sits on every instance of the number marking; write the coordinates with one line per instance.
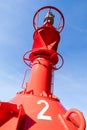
(41, 113)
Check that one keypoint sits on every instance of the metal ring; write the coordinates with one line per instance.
(60, 28)
(55, 68)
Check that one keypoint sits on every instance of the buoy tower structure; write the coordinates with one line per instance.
(36, 107)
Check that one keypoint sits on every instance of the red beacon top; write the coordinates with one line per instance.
(44, 54)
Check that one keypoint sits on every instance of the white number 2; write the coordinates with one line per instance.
(41, 113)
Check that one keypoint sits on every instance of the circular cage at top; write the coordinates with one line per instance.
(38, 19)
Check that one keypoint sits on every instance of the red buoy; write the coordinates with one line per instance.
(36, 108)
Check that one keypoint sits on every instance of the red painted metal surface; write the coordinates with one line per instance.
(36, 108)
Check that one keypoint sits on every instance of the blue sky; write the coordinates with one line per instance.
(16, 31)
